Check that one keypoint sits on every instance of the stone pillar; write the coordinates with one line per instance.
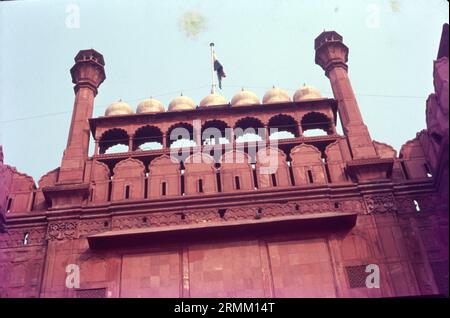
(130, 144)
(266, 134)
(300, 130)
(96, 148)
(164, 141)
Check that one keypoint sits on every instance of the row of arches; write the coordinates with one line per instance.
(215, 131)
(201, 174)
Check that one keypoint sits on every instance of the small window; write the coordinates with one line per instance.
(218, 180)
(26, 237)
(310, 176)
(222, 213)
(109, 190)
(274, 179)
(163, 188)
(405, 170)
(8, 206)
(33, 200)
(237, 183)
(200, 186)
(427, 170)
(127, 192)
(417, 205)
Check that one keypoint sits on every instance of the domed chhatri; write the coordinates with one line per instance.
(276, 95)
(212, 100)
(118, 108)
(245, 97)
(150, 105)
(181, 103)
(306, 92)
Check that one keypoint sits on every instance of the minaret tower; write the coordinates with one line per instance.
(332, 56)
(87, 75)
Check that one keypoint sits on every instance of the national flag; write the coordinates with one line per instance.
(219, 69)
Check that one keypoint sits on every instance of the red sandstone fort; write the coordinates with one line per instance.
(191, 220)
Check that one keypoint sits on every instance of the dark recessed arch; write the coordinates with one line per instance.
(113, 137)
(283, 126)
(249, 129)
(148, 138)
(215, 132)
(180, 135)
(316, 121)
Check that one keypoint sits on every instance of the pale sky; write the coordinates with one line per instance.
(260, 43)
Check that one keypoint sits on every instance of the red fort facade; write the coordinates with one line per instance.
(212, 218)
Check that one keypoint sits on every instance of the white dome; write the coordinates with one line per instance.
(212, 100)
(245, 97)
(181, 103)
(307, 92)
(276, 95)
(150, 105)
(118, 108)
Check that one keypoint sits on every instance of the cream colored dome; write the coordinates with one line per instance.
(181, 103)
(118, 108)
(306, 93)
(244, 97)
(213, 99)
(276, 95)
(150, 105)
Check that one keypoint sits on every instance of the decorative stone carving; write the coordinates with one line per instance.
(269, 210)
(349, 205)
(62, 230)
(130, 222)
(380, 203)
(16, 237)
(88, 227)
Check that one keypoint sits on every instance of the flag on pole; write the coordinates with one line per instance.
(219, 69)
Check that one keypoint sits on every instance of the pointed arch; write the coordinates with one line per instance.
(414, 158)
(47, 180)
(335, 162)
(271, 168)
(236, 171)
(180, 135)
(384, 150)
(307, 165)
(129, 177)
(21, 192)
(147, 137)
(316, 121)
(113, 137)
(247, 129)
(101, 178)
(164, 177)
(200, 174)
(282, 126)
(214, 131)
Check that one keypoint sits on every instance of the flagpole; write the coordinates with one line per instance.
(213, 82)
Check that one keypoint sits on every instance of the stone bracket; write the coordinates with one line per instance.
(370, 169)
(66, 195)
